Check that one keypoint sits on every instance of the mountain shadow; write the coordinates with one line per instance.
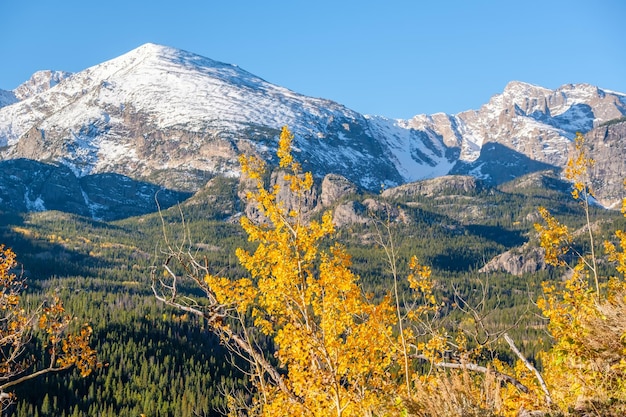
(40, 258)
(27, 185)
(498, 164)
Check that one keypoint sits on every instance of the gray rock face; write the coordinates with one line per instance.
(517, 261)
(607, 146)
(525, 129)
(334, 188)
(304, 204)
(351, 212)
(449, 184)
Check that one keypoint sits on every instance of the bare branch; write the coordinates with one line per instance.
(476, 368)
(528, 365)
(214, 313)
(34, 375)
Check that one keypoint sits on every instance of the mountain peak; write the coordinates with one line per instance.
(522, 89)
(176, 118)
(151, 47)
(39, 82)
(155, 51)
(152, 52)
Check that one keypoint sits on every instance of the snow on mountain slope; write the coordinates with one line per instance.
(39, 82)
(178, 88)
(533, 122)
(181, 88)
(157, 109)
(162, 115)
(417, 153)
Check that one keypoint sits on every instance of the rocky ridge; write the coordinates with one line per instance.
(176, 120)
(607, 146)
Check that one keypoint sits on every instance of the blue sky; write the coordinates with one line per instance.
(393, 58)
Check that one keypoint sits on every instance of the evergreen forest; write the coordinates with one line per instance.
(157, 360)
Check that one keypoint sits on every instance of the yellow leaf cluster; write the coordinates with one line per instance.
(555, 238)
(331, 341)
(587, 362)
(77, 352)
(420, 282)
(17, 326)
(577, 169)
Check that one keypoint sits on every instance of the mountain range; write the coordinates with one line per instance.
(161, 121)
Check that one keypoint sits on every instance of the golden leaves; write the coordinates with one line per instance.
(420, 281)
(331, 341)
(76, 351)
(240, 293)
(584, 361)
(17, 325)
(554, 238)
(577, 170)
(615, 255)
(284, 148)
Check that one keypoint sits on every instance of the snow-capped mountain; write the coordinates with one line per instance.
(39, 82)
(533, 121)
(175, 119)
(157, 111)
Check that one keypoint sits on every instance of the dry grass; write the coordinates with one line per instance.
(605, 343)
(456, 394)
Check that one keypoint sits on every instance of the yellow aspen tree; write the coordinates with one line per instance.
(18, 326)
(333, 345)
(586, 366)
(329, 338)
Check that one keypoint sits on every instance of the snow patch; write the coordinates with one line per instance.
(404, 142)
(94, 208)
(33, 205)
(478, 172)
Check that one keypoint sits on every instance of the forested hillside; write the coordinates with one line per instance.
(161, 361)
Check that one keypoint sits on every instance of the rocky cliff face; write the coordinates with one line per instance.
(524, 129)
(39, 82)
(450, 184)
(607, 146)
(517, 261)
(334, 188)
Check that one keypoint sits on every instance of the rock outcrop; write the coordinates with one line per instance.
(517, 261)
(446, 185)
(607, 146)
(336, 187)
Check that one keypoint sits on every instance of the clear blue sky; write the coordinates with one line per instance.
(394, 58)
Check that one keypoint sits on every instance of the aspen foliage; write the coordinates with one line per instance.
(331, 341)
(18, 326)
(334, 351)
(586, 366)
(341, 353)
